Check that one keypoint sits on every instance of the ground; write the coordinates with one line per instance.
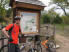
(63, 42)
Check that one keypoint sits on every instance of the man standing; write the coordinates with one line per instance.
(13, 38)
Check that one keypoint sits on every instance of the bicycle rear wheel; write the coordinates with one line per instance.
(4, 48)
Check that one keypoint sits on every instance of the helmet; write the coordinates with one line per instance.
(17, 18)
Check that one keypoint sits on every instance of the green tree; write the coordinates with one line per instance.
(65, 19)
(45, 18)
(57, 20)
(3, 5)
(51, 17)
(9, 13)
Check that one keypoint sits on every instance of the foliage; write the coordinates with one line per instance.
(4, 4)
(57, 20)
(51, 17)
(2, 12)
(65, 19)
(45, 19)
(9, 12)
(2, 20)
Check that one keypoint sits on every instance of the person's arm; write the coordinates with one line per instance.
(5, 32)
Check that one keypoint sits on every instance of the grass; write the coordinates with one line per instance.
(62, 29)
(61, 26)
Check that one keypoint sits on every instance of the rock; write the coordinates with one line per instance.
(57, 46)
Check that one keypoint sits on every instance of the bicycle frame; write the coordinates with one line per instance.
(44, 43)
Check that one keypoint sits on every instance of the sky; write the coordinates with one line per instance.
(47, 2)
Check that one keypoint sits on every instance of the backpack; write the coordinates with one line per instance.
(9, 32)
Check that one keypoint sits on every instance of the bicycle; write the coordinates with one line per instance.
(36, 47)
(22, 47)
(49, 44)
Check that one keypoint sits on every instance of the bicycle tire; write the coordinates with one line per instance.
(51, 46)
(4, 48)
(32, 50)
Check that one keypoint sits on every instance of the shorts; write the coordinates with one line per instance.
(13, 47)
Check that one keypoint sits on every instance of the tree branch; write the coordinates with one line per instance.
(63, 9)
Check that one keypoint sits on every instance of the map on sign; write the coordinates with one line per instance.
(28, 22)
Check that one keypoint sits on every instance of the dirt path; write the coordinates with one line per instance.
(63, 42)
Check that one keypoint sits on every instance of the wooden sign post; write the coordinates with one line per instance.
(29, 12)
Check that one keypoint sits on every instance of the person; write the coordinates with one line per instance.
(13, 39)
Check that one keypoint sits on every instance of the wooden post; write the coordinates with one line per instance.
(14, 14)
(47, 27)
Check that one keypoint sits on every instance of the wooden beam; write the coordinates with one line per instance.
(30, 6)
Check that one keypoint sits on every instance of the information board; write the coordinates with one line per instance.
(28, 22)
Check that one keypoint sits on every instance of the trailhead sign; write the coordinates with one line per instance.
(30, 13)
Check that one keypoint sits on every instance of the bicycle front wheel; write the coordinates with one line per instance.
(4, 48)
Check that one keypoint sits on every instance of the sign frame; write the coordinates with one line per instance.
(37, 21)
